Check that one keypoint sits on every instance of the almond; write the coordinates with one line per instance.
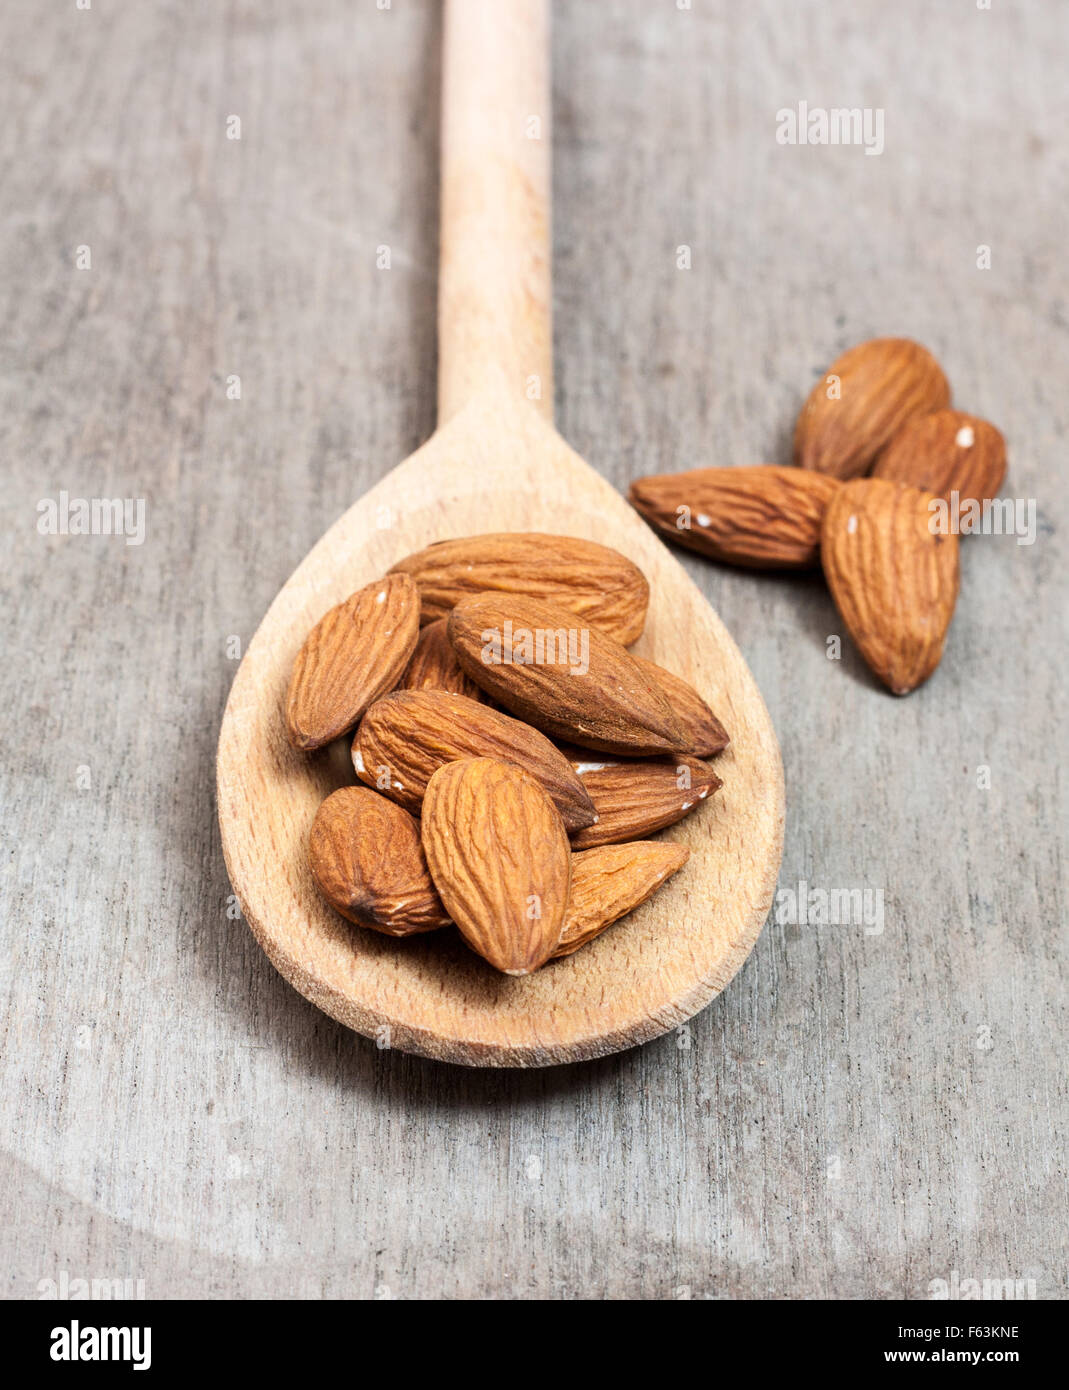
(500, 860)
(611, 881)
(354, 654)
(597, 584)
(575, 683)
(434, 666)
(894, 580)
(705, 735)
(368, 864)
(862, 401)
(944, 453)
(405, 737)
(634, 798)
(763, 517)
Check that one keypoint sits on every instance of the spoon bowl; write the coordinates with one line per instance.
(430, 994)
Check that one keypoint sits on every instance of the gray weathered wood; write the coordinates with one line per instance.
(858, 1114)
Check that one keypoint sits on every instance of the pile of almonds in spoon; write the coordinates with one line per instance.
(513, 754)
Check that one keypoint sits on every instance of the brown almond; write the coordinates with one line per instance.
(499, 857)
(405, 737)
(434, 666)
(354, 654)
(633, 797)
(705, 734)
(574, 682)
(893, 578)
(947, 452)
(598, 584)
(368, 863)
(763, 517)
(862, 401)
(611, 881)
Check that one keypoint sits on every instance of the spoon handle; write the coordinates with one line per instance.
(494, 292)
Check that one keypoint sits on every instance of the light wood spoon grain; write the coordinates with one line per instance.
(496, 463)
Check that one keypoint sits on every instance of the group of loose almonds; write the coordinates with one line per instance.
(882, 410)
(478, 675)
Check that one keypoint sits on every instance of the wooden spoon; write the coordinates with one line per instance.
(496, 463)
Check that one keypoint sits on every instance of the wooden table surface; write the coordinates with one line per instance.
(863, 1111)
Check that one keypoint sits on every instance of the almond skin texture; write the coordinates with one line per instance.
(706, 736)
(635, 798)
(368, 863)
(762, 517)
(354, 654)
(434, 666)
(894, 582)
(609, 882)
(944, 453)
(882, 385)
(605, 700)
(598, 584)
(499, 857)
(405, 737)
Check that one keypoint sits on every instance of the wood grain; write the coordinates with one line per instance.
(859, 1114)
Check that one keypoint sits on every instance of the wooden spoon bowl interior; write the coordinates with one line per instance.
(498, 467)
